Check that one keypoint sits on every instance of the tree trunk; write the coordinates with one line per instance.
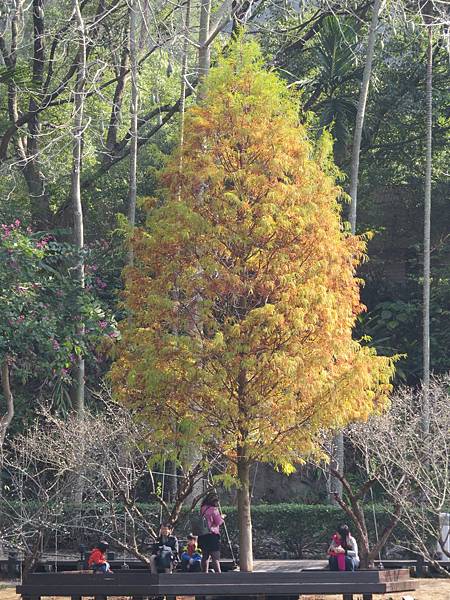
(360, 114)
(204, 52)
(36, 183)
(427, 236)
(244, 513)
(184, 68)
(114, 119)
(337, 463)
(7, 417)
(133, 122)
(37, 187)
(171, 481)
(78, 224)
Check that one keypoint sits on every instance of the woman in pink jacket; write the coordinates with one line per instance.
(210, 542)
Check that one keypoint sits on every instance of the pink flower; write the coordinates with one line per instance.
(44, 241)
(17, 223)
(21, 318)
(102, 324)
(100, 283)
(55, 345)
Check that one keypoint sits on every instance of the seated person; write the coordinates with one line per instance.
(343, 551)
(164, 551)
(97, 558)
(191, 555)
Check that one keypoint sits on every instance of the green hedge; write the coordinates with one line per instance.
(279, 530)
(300, 530)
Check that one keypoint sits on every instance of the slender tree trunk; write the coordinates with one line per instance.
(244, 513)
(36, 183)
(337, 464)
(116, 109)
(364, 92)
(427, 236)
(339, 457)
(78, 224)
(7, 416)
(184, 68)
(37, 191)
(204, 52)
(133, 121)
(171, 481)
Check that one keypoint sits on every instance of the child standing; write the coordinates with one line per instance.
(191, 555)
(210, 542)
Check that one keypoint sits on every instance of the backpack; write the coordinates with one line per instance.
(199, 524)
(164, 557)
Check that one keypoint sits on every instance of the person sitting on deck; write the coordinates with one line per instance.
(343, 551)
(191, 555)
(164, 550)
(97, 558)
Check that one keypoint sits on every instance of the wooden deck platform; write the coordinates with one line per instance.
(234, 584)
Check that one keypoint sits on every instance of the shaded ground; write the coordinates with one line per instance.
(429, 589)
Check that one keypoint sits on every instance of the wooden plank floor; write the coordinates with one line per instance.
(288, 565)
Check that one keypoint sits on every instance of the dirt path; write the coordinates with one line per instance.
(429, 589)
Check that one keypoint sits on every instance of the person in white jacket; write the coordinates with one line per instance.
(344, 545)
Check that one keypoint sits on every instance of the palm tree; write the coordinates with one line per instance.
(336, 60)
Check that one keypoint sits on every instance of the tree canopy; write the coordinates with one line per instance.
(243, 294)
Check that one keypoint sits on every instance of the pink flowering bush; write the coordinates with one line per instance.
(42, 305)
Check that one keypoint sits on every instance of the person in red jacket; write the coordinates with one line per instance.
(97, 558)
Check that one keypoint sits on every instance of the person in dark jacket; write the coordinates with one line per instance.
(164, 550)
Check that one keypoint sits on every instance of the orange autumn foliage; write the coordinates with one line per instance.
(243, 293)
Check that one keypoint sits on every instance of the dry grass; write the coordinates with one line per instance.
(429, 589)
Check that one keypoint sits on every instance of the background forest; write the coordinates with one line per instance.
(92, 101)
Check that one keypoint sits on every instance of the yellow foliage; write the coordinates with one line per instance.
(243, 294)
